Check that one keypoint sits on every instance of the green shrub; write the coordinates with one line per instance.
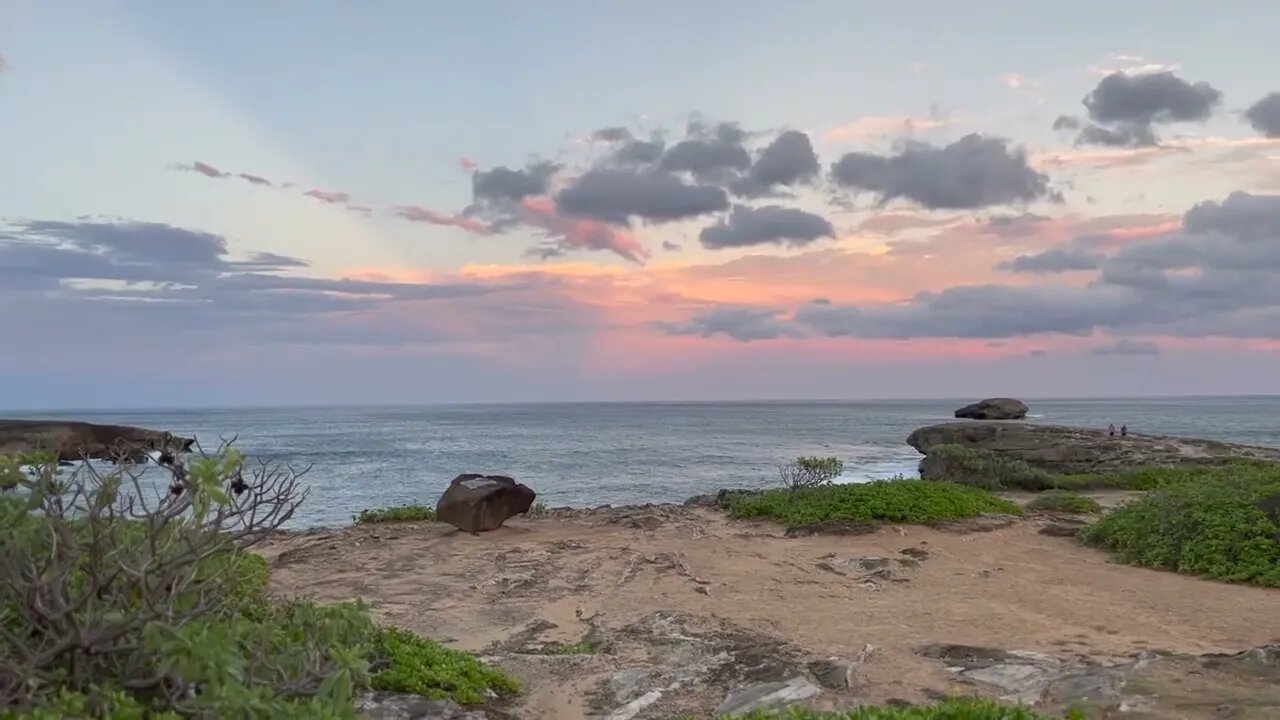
(1064, 501)
(538, 509)
(808, 472)
(418, 666)
(894, 501)
(114, 606)
(1224, 525)
(399, 513)
(958, 709)
(983, 469)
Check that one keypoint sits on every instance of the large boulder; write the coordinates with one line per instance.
(475, 503)
(80, 440)
(1078, 450)
(994, 409)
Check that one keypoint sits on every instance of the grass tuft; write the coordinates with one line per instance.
(400, 513)
(1065, 501)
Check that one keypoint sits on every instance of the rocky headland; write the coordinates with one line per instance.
(1071, 450)
(81, 440)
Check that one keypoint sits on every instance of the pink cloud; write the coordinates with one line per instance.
(579, 234)
(467, 164)
(414, 213)
(884, 126)
(4, 64)
(330, 197)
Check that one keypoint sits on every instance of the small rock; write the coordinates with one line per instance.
(833, 673)
(915, 553)
(702, 590)
(1062, 529)
(767, 696)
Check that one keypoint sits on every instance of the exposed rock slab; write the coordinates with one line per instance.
(401, 706)
(80, 440)
(1076, 450)
(994, 409)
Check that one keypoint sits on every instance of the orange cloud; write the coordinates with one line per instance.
(576, 234)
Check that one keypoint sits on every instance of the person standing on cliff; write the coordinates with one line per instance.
(1111, 429)
(1124, 431)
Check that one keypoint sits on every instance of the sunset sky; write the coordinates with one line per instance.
(247, 203)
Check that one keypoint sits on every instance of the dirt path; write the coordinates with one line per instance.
(607, 576)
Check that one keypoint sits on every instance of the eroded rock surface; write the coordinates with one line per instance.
(1078, 450)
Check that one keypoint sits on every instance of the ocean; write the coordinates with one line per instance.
(588, 454)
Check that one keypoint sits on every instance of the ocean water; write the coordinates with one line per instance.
(596, 453)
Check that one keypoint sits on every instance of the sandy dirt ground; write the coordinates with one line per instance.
(878, 597)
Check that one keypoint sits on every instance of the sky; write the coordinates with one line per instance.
(238, 203)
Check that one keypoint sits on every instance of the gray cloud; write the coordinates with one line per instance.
(1217, 276)
(673, 247)
(1264, 115)
(207, 170)
(182, 278)
(1055, 260)
(616, 196)
(329, 197)
(1066, 122)
(612, 134)
(502, 184)
(788, 160)
(713, 154)
(1127, 347)
(972, 172)
(764, 225)
(744, 324)
(1125, 107)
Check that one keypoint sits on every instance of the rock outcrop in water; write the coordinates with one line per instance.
(1078, 450)
(79, 440)
(994, 409)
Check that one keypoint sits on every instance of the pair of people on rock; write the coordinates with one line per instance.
(1111, 430)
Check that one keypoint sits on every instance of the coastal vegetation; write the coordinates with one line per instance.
(1068, 501)
(123, 600)
(895, 501)
(810, 472)
(1222, 523)
(397, 513)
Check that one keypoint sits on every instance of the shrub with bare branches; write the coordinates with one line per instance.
(112, 582)
(809, 472)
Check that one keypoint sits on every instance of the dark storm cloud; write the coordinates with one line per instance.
(788, 160)
(1124, 108)
(1264, 115)
(1127, 347)
(1219, 275)
(616, 196)
(1056, 260)
(771, 224)
(502, 184)
(744, 324)
(972, 172)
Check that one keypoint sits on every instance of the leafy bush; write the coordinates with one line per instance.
(983, 468)
(958, 709)
(127, 600)
(400, 513)
(1225, 525)
(808, 472)
(896, 501)
(1064, 501)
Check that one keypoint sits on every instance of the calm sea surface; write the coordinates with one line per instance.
(592, 454)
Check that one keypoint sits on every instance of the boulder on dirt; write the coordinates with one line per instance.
(994, 409)
(81, 440)
(476, 503)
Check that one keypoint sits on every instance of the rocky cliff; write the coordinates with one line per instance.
(1077, 450)
(76, 440)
